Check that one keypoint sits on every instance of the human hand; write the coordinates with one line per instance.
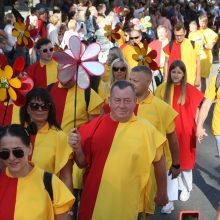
(197, 82)
(161, 199)
(200, 133)
(75, 139)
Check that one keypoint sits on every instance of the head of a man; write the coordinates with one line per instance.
(135, 37)
(162, 32)
(203, 21)
(45, 49)
(141, 77)
(179, 32)
(122, 101)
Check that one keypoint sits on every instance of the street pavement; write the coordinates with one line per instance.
(206, 177)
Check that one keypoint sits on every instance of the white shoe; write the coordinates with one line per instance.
(168, 208)
(184, 195)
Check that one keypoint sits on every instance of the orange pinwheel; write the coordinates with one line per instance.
(22, 34)
(112, 34)
(144, 58)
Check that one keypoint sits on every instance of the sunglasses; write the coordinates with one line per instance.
(37, 106)
(134, 38)
(119, 68)
(47, 50)
(5, 154)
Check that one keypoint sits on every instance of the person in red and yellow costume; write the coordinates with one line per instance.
(159, 44)
(209, 40)
(118, 149)
(185, 99)
(183, 49)
(49, 139)
(44, 71)
(162, 116)
(22, 186)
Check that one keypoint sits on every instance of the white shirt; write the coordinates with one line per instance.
(11, 41)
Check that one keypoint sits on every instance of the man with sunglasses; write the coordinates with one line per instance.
(44, 71)
(133, 47)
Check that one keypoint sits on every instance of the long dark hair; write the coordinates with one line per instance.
(42, 95)
(182, 97)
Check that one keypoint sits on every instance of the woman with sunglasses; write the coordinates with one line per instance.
(185, 99)
(22, 188)
(51, 151)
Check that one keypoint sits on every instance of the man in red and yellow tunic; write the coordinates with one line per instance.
(118, 149)
(44, 71)
(183, 49)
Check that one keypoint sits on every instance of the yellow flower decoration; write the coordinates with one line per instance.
(22, 35)
(112, 34)
(8, 84)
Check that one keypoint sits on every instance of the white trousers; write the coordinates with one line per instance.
(185, 180)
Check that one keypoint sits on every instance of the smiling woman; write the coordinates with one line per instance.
(20, 177)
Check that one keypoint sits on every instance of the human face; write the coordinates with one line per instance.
(179, 35)
(119, 71)
(203, 23)
(46, 52)
(162, 34)
(193, 27)
(176, 75)
(141, 82)
(17, 167)
(122, 103)
(134, 37)
(38, 111)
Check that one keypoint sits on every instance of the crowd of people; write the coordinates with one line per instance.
(112, 150)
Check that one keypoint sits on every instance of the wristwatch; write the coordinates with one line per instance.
(177, 166)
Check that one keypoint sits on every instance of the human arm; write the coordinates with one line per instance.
(174, 150)
(165, 70)
(203, 113)
(64, 216)
(66, 174)
(198, 72)
(75, 142)
(161, 198)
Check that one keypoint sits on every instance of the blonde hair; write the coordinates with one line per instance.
(72, 24)
(54, 19)
(169, 84)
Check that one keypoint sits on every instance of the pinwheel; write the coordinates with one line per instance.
(22, 34)
(112, 34)
(145, 58)
(145, 23)
(78, 63)
(14, 83)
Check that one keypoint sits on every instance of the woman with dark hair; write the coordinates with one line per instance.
(22, 185)
(49, 140)
(185, 99)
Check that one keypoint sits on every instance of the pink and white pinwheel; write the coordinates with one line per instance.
(79, 60)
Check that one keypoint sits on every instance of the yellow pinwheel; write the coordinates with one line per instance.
(8, 84)
(112, 34)
(22, 34)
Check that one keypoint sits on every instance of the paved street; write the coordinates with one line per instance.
(206, 189)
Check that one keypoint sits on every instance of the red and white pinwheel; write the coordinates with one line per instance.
(79, 60)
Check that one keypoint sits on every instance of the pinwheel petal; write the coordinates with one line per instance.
(27, 34)
(15, 33)
(93, 68)
(8, 72)
(26, 85)
(83, 78)
(3, 94)
(15, 82)
(75, 47)
(135, 57)
(12, 94)
(154, 65)
(18, 65)
(19, 40)
(91, 51)
(25, 40)
(66, 73)
(148, 59)
(152, 54)
(116, 36)
(3, 61)
(108, 28)
(63, 57)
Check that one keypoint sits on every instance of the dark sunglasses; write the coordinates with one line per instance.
(119, 68)
(37, 106)
(5, 154)
(47, 50)
(132, 38)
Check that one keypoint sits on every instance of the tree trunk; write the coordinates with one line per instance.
(2, 13)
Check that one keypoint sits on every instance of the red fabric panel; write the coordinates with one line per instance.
(59, 98)
(96, 150)
(8, 191)
(8, 116)
(156, 45)
(185, 125)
